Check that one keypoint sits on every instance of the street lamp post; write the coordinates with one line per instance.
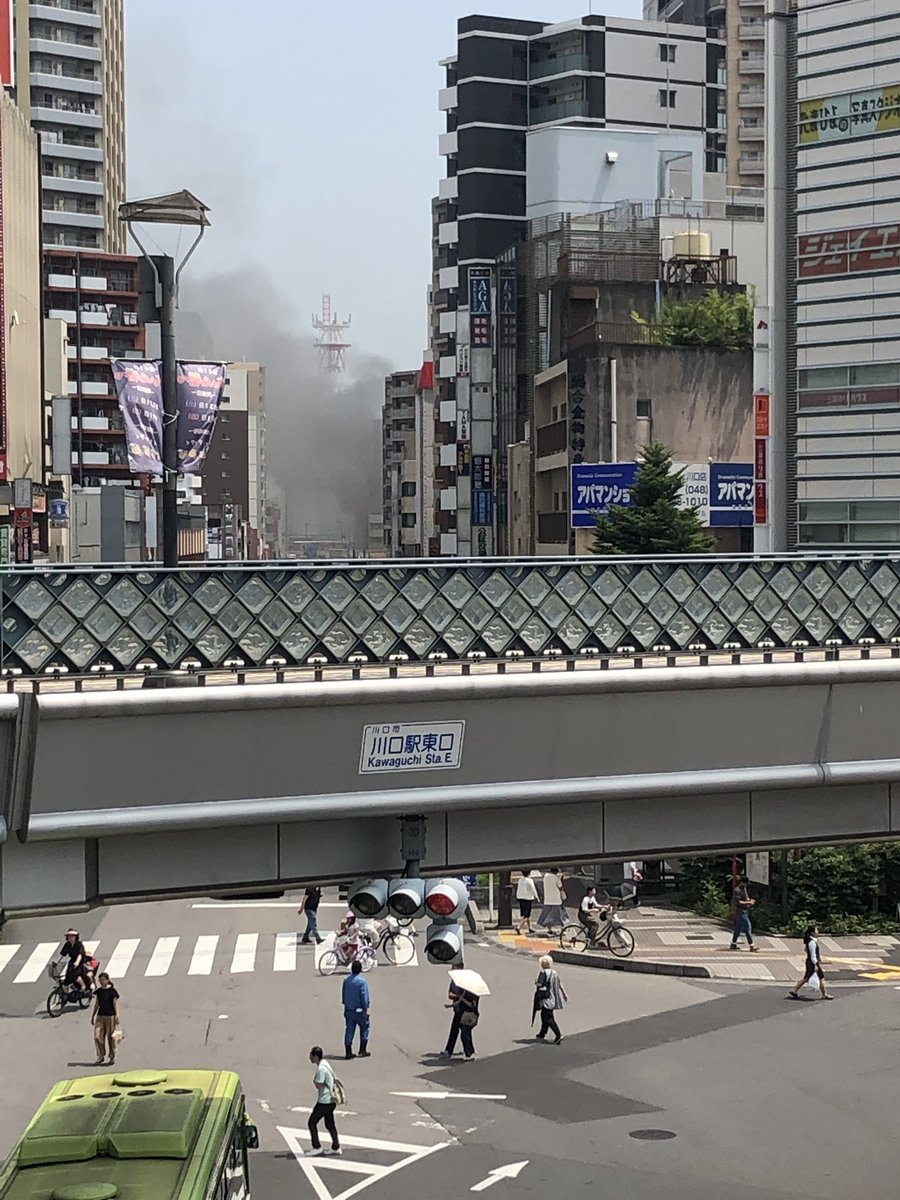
(178, 208)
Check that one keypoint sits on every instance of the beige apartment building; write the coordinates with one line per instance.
(742, 24)
(21, 398)
(70, 70)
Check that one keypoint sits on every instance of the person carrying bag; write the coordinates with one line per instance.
(549, 997)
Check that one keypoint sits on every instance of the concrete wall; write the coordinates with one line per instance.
(568, 169)
(262, 785)
(701, 400)
(21, 338)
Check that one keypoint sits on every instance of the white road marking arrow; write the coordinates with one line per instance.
(510, 1171)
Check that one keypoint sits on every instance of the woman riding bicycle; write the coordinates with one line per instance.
(78, 972)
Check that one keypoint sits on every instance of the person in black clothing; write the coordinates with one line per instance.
(465, 1018)
(311, 899)
(105, 1019)
(77, 969)
(813, 965)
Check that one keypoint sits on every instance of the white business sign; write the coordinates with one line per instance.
(430, 746)
(695, 489)
(758, 867)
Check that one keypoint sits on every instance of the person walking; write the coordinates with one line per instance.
(324, 1083)
(526, 894)
(813, 965)
(465, 1018)
(742, 904)
(355, 998)
(549, 997)
(309, 906)
(105, 1019)
(553, 911)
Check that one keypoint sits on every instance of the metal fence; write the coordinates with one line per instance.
(125, 618)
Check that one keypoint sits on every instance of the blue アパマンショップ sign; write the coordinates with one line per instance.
(598, 486)
(730, 494)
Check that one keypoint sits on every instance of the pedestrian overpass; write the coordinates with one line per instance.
(133, 792)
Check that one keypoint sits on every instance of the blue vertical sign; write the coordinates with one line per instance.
(482, 508)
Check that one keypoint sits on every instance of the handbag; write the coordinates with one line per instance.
(118, 1034)
(543, 990)
(469, 1019)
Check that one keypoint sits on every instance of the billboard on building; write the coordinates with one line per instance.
(730, 494)
(722, 493)
(596, 487)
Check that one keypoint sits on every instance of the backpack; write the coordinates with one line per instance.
(338, 1092)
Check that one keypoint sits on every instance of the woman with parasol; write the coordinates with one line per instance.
(466, 989)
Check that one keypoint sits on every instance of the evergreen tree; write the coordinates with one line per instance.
(654, 523)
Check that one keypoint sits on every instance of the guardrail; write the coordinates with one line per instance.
(130, 621)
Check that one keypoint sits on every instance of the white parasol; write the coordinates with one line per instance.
(469, 981)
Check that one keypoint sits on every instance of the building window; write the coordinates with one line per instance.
(666, 52)
(408, 520)
(645, 408)
(667, 97)
(407, 489)
(854, 522)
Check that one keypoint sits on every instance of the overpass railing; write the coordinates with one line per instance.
(130, 618)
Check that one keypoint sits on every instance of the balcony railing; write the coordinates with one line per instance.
(552, 439)
(559, 65)
(553, 527)
(751, 98)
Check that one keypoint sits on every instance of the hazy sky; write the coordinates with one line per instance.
(310, 127)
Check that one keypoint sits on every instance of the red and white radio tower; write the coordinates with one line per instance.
(330, 344)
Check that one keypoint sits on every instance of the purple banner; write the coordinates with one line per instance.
(139, 388)
(200, 387)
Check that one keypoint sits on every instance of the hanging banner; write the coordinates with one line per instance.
(139, 389)
(200, 388)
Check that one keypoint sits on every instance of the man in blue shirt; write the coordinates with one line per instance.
(355, 997)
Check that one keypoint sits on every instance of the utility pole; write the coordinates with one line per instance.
(165, 273)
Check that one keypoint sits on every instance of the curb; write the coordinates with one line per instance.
(643, 967)
(640, 967)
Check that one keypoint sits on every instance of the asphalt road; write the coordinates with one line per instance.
(662, 1088)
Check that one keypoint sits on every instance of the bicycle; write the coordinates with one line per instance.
(398, 947)
(64, 994)
(612, 934)
(332, 959)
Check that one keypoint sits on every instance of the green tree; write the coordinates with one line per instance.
(654, 523)
(720, 320)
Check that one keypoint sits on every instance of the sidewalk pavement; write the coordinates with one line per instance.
(672, 941)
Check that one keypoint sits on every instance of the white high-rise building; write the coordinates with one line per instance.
(70, 84)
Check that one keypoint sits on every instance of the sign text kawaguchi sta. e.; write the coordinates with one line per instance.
(428, 746)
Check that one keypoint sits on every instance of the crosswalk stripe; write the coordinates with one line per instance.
(285, 952)
(244, 958)
(37, 962)
(7, 954)
(204, 954)
(161, 958)
(120, 959)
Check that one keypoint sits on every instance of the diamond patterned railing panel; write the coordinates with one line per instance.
(78, 617)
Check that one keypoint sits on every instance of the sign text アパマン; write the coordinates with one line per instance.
(429, 746)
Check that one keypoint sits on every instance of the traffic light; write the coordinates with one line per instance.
(406, 898)
(445, 900)
(368, 899)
